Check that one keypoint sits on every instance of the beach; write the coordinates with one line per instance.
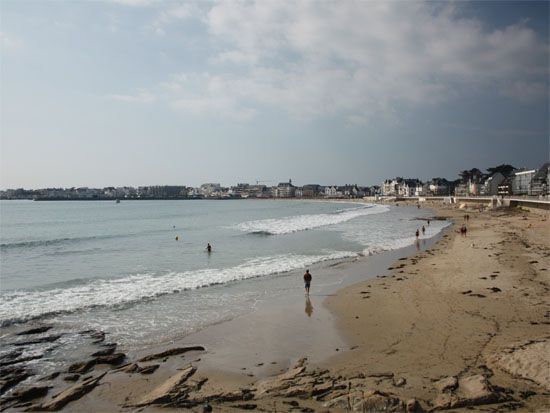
(462, 322)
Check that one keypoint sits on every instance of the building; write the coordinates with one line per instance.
(438, 187)
(390, 186)
(539, 183)
(311, 191)
(331, 191)
(521, 181)
(491, 184)
(285, 190)
(210, 189)
(505, 187)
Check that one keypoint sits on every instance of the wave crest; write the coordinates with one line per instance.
(287, 225)
(19, 306)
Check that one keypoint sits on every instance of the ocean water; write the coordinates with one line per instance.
(119, 268)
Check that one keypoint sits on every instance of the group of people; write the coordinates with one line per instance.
(423, 231)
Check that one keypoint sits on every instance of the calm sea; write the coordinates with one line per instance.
(119, 267)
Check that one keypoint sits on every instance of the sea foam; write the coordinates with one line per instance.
(18, 306)
(288, 225)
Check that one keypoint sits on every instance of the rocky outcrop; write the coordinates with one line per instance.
(171, 352)
(47, 339)
(22, 396)
(72, 393)
(169, 390)
(36, 330)
(466, 391)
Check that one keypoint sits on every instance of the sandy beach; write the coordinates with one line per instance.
(463, 323)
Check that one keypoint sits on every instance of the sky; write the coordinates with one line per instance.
(144, 92)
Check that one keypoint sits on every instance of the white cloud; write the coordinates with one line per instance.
(9, 42)
(171, 14)
(142, 96)
(356, 59)
(136, 3)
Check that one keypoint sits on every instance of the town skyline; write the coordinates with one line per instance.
(501, 180)
(138, 92)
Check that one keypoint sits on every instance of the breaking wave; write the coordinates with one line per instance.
(20, 306)
(288, 225)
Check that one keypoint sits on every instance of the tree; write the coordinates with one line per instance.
(473, 174)
(504, 169)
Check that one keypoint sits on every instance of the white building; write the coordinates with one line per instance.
(521, 181)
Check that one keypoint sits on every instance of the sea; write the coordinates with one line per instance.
(140, 270)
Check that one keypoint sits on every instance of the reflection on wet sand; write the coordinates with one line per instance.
(309, 307)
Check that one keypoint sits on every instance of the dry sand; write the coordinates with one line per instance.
(475, 304)
(463, 323)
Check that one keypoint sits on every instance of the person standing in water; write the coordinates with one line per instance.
(423, 230)
(208, 247)
(307, 281)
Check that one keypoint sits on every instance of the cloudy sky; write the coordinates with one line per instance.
(143, 92)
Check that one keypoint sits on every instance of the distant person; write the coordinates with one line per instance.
(417, 233)
(428, 222)
(307, 281)
(423, 230)
(208, 247)
(177, 237)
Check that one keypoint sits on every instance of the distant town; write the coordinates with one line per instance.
(502, 180)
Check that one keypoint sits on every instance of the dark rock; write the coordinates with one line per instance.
(29, 393)
(106, 352)
(128, 368)
(36, 330)
(52, 376)
(11, 355)
(172, 352)
(245, 406)
(495, 289)
(526, 394)
(47, 339)
(82, 367)
(10, 376)
(466, 292)
(112, 359)
(74, 392)
(148, 369)
(21, 360)
(72, 377)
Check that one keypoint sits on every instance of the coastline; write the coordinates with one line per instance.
(373, 336)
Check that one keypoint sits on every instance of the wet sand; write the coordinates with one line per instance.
(466, 310)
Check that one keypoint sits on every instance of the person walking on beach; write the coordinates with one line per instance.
(423, 230)
(307, 281)
(428, 222)
(417, 233)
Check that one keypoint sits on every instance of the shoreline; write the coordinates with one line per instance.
(356, 345)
